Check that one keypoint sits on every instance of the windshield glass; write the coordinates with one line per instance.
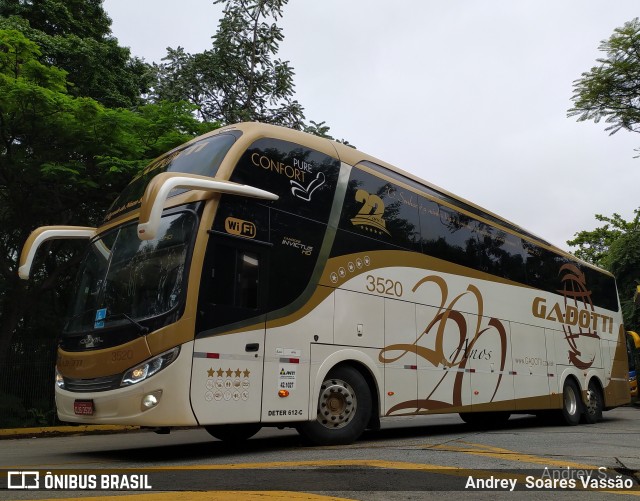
(202, 158)
(123, 279)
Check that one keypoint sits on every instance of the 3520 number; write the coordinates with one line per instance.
(383, 285)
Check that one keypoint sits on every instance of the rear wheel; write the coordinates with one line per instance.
(344, 409)
(233, 433)
(593, 408)
(571, 403)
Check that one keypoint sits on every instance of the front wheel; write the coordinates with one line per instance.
(233, 433)
(344, 409)
(593, 408)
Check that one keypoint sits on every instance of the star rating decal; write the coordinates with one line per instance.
(211, 372)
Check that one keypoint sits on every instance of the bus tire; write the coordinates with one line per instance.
(485, 419)
(344, 409)
(233, 433)
(593, 408)
(571, 403)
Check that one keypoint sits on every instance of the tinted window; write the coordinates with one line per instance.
(202, 157)
(304, 179)
(381, 210)
(296, 246)
(122, 276)
(233, 284)
(544, 272)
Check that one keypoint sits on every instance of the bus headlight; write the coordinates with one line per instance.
(150, 367)
(59, 380)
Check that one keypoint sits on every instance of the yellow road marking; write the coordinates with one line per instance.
(497, 452)
(463, 447)
(213, 496)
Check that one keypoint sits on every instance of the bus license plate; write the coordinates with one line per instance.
(83, 407)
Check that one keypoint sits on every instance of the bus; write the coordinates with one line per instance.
(260, 276)
(633, 352)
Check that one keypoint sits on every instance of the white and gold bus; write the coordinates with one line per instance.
(259, 276)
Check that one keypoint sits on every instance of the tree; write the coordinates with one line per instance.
(610, 91)
(68, 156)
(593, 246)
(239, 78)
(75, 35)
(82, 18)
(615, 246)
(623, 261)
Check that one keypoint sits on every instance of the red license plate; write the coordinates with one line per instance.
(83, 407)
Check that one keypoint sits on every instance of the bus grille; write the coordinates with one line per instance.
(96, 384)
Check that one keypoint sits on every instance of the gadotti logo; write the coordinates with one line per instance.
(576, 313)
(371, 213)
(239, 227)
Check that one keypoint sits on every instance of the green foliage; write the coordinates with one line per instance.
(84, 18)
(239, 79)
(623, 260)
(610, 91)
(96, 66)
(615, 246)
(63, 159)
(593, 246)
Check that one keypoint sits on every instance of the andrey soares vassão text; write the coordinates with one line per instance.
(555, 479)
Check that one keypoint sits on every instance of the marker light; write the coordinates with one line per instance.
(283, 393)
(150, 367)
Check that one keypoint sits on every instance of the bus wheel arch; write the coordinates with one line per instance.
(346, 406)
(594, 402)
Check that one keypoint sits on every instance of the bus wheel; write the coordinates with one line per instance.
(571, 403)
(593, 408)
(233, 433)
(344, 409)
(485, 419)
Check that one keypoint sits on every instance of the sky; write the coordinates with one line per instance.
(470, 95)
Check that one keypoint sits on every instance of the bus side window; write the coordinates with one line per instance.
(231, 288)
(248, 276)
(234, 277)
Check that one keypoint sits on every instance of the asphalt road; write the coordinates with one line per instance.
(418, 458)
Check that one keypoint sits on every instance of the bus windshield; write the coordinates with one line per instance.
(123, 279)
(202, 157)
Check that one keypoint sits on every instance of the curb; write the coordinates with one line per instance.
(52, 431)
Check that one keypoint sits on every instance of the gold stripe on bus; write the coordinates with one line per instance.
(378, 259)
(99, 363)
(405, 259)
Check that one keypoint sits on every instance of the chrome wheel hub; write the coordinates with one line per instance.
(337, 404)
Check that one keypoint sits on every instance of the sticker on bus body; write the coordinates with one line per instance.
(287, 376)
(101, 314)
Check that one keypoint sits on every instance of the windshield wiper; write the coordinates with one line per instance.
(142, 330)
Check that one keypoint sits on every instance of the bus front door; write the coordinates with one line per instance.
(226, 382)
